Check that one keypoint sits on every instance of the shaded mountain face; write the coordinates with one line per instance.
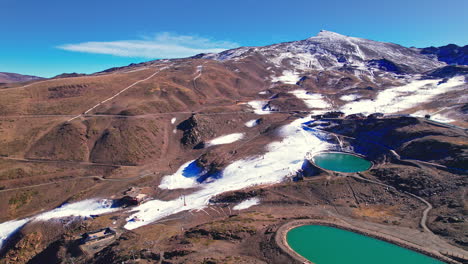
(8, 77)
(451, 54)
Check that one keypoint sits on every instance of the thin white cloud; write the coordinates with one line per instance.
(160, 46)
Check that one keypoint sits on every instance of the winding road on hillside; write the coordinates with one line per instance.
(423, 221)
(92, 177)
(120, 92)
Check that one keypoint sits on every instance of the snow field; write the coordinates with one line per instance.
(247, 204)
(310, 99)
(289, 77)
(282, 158)
(85, 208)
(180, 179)
(396, 99)
(258, 107)
(226, 139)
(251, 123)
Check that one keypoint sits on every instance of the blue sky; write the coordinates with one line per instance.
(49, 37)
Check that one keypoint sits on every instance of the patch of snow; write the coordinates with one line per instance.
(282, 158)
(311, 100)
(226, 139)
(174, 131)
(247, 203)
(183, 178)
(289, 77)
(85, 208)
(263, 92)
(259, 107)
(437, 117)
(173, 120)
(349, 97)
(199, 72)
(251, 123)
(399, 98)
(441, 118)
(9, 228)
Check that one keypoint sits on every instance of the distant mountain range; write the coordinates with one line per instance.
(8, 77)
(451, 54)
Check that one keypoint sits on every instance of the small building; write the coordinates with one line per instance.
(98, 235)
(132, 196)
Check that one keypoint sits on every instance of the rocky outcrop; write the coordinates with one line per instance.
(412, 180)
(434, 149)
(196, 129)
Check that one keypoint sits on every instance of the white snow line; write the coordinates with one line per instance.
(247, 204)
(205, 212)
(85, 208)
(226, 139)
(215, 211)
(199, 70)
(270, 168)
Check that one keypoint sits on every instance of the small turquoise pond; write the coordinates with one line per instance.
(329, 245)
(341, 162)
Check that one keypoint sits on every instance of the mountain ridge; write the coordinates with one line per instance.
(10, 77)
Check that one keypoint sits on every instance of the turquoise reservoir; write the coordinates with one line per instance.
(329, 245)
(341, 162)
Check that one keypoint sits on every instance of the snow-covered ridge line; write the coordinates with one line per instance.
(328, 51)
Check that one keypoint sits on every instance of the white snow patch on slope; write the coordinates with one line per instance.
(281, 158)
(289, 77)
(9, 228)
(395, 99)
(258, 107)
(226, 139)
(83, 208)
(178, 180)
(437, 117)
(247, 203)
(311, 100)
(349, 97)
(251, 123)
(173, 120)
(441, 118)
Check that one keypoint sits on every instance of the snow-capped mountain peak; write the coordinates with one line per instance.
(328, 34)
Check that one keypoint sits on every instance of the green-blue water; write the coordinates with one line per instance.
(329, 245)
(341, 162)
